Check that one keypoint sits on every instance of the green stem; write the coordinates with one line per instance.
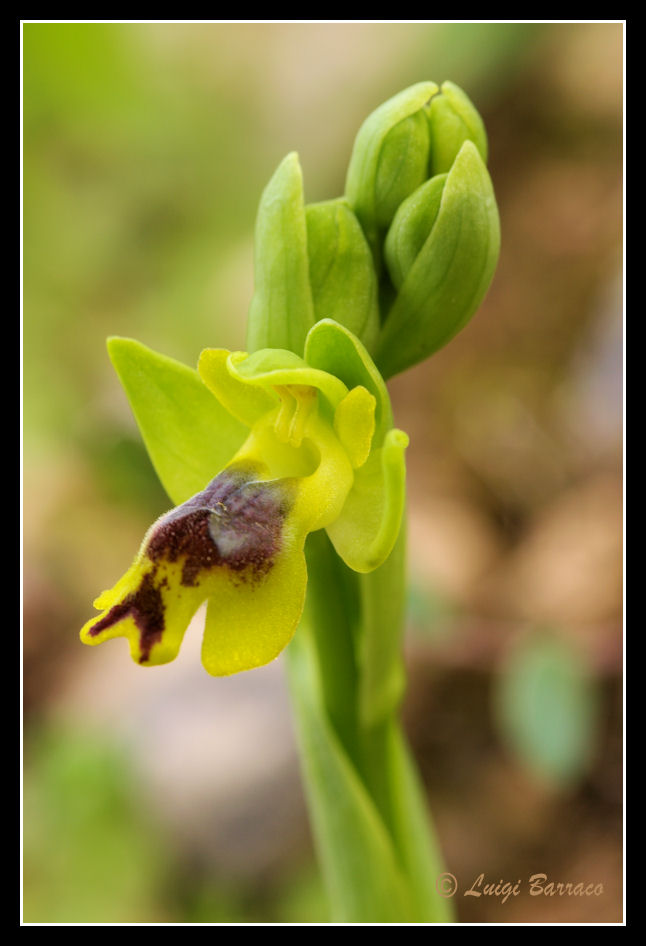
(332, 612)
(378, 852)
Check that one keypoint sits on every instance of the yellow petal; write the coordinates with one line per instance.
(246, 402)
(366, 530)
(354, 424)
(249, 621)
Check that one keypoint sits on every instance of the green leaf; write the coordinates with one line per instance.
(364, 880)
(332, 620)
(379, 855)
(342, 275)
(281, 310)
(546, 708)
(383, 606)
(452, 271)
(188, 434)
(414, 835)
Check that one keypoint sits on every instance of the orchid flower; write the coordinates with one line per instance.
(320, 453)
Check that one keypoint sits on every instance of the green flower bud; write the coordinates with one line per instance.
(342, 275)
(281, 312)
(443, 277)
(413, 224)
(453, 119)
(402, 167)
(389, 160)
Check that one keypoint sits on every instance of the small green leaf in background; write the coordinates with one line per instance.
(91, 855)
(189, 435)
(430, 612)
(546, 706)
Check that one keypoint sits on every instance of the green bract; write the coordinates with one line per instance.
(442, 249)
(342, 276)
(282, 311)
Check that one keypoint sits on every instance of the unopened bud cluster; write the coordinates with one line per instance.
(406, 256)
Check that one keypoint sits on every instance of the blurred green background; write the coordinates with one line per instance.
(167, 796)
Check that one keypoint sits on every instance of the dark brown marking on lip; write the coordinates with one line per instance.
(147, 611)
(235, 523)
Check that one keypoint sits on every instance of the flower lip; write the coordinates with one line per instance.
(234, 525)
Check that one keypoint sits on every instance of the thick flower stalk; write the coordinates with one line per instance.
(318, 454)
